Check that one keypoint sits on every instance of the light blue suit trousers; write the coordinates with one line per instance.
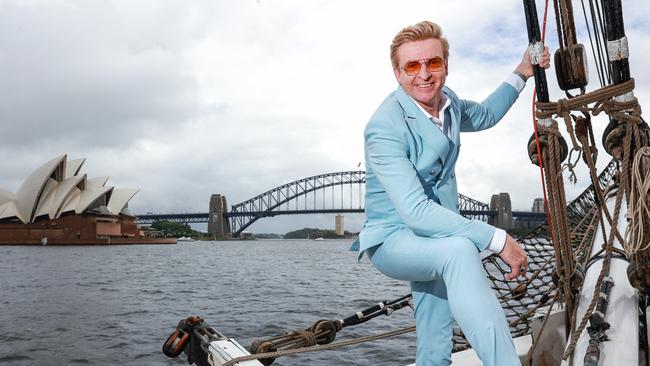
(447, 281)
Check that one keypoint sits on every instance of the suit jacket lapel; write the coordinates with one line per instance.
(420, 124)
(450, 164)
(455, 124)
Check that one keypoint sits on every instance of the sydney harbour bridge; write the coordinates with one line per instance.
(331, 193)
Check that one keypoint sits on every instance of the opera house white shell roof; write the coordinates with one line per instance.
(57, 188)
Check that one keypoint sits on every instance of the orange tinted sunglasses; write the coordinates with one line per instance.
(433, 64)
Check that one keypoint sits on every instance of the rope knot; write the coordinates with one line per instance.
(551, 130)
(562, 107)
(306, 336)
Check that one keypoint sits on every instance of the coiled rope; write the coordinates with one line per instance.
(637, 239)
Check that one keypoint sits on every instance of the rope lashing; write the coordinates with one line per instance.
(581, 102)
(323, 332)
(324, 347)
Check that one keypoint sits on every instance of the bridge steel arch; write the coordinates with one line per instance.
(244, 214)
(473, 209)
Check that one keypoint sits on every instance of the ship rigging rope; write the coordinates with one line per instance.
(602, 66)
(608, 251)
(629, 113)
(626, 111)
(565, 263)
(320, 347)
(618, 103)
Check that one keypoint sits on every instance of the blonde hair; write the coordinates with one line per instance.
(419, 32)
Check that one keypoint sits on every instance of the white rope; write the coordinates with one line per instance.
(636, 239)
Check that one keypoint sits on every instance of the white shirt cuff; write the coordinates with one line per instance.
(516, 82)
(499, 237)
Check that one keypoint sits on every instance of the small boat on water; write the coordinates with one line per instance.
(185, 238)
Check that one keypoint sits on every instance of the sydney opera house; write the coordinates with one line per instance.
(58, 205)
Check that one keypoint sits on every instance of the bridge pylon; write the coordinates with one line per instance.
(501, 204)
(218, 223)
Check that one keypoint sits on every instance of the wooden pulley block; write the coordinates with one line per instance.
(571, 67)
(644, 132)
(638, 273)
(614, 135)
(613, 138)
(543, 144)
(577, 279)
(259, 346)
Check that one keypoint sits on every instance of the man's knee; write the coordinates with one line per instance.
(462, 246)
(463, 252)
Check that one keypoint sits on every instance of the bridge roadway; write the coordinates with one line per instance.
(203, 217)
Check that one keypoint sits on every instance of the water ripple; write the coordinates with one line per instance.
(86, 305)
(11, 358)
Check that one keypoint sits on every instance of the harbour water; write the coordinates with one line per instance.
(115, 305)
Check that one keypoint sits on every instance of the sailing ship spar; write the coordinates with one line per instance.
(585, 299)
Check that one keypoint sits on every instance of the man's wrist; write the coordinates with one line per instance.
(522, 76)
(498, 241)
(516, 82)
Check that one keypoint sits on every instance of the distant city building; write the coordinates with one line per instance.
(538, 205)
(340, 228)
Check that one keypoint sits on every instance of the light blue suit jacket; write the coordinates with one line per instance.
(410, 163)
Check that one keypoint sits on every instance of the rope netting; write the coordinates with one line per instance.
(521, 300)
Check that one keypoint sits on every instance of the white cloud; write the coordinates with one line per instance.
(186, 99)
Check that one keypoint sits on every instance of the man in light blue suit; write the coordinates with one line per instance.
(414, 231)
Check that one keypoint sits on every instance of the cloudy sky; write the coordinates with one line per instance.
(184, 99)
